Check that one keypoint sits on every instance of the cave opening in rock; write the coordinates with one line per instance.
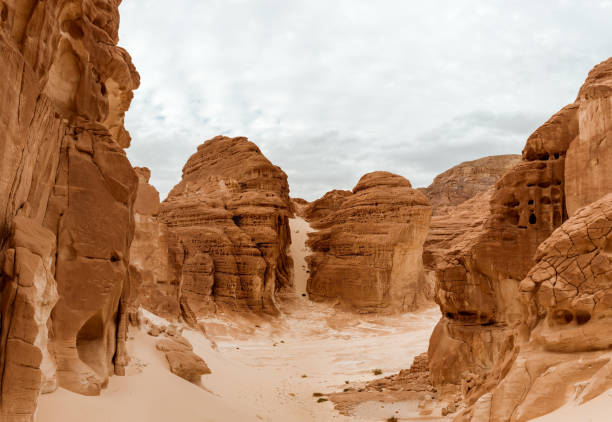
(90, 343)
(532, 219)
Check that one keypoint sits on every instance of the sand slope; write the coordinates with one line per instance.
(263, 368)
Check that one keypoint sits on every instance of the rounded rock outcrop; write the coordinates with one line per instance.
(368, 244)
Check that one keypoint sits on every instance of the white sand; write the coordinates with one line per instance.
(258, 366)
(597, 410)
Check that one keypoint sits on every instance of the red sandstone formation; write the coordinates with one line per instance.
(155, 289)
(460, 197)
(326, 205)
(298, 205)
(367, 250)
(567, 296)
(67, 191)
(466, 180)
(486, 325)
(228, 229)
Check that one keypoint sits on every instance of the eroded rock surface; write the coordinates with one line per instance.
(568, 297)
(155, 288)
(487, 325)
(67, 192)
(460, 199)
(367, 250)
(228, 230)
(466, 180)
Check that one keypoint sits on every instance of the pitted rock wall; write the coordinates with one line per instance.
(487, 323)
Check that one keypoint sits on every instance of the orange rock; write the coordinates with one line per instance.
(187, 365)
(228, 229)
(567, 297)
(367, 250)
(502, 312)
(588, 165)
(155, 288)
(67, 191)
(466, 180)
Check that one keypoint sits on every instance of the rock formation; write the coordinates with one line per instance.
(367, 250)
(568, 297)
(67, 192)
(155, 289)
(486, 325)
(466, 180)
(460, 198)
(228, 230)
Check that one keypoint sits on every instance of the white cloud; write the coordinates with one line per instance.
(332, 89)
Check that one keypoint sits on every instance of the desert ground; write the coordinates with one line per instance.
(263, 368)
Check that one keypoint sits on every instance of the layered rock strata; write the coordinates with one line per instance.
(368, 245)
(228, 230)
(485, 324)
(67, 191)
(466, 180)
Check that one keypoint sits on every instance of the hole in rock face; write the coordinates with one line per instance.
(530, 202)
(513, 217)
(544, 185)
(543, 157)
(90, 344)
(115, 257)
(75, 30)
(532, 219)
(563, 316)
(450, 315)
(556, 155)
(582, 317)
(236, 219)
(103, 89)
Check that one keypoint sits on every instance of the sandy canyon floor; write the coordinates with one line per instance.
(263, 368)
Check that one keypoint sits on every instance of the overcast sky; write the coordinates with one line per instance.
(333, 89)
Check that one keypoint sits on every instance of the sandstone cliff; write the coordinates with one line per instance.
(67, 192)
(466, 180)
(367, 250)
(228, 232)
(154, 288)
(460, 198)
(485, 324)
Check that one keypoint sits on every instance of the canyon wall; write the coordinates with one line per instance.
(460, 199)
(487, 322)
(466, 180)
(227, 230)
(567, 296)
(154, 286)
(67, 192)
(368, 245)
